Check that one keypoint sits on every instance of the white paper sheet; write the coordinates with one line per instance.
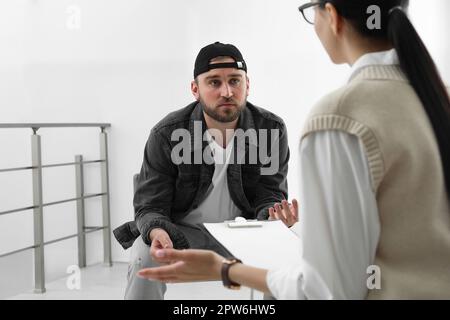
(271, 246)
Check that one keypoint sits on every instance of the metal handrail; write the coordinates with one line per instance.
(55, 125)
(53, 203)
(38, 204)
(51, 165)
(89, 230)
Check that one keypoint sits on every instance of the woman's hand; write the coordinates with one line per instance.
(285, 212)
(186, 266)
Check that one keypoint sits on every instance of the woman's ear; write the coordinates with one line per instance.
(334, 19)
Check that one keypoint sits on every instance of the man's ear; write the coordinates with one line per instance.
(334, 19)
(247, 79)
(195, 89)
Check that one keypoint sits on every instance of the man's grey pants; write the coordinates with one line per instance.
(143, 289)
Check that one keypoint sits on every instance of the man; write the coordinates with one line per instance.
(219, 170)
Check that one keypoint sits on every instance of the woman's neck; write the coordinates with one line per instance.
(360, 46)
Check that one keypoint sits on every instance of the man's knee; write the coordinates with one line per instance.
(137, 287)
(141, 251)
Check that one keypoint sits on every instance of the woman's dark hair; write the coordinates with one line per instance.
(415, 61)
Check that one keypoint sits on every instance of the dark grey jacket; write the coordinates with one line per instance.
(166, 192)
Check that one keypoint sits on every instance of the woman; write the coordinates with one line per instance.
(375, 172)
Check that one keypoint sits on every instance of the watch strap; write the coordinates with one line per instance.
(226, 264)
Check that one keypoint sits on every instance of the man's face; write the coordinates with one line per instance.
(222, 92)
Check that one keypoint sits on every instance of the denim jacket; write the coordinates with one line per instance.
(167, 192)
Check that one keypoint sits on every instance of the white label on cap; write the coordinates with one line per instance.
(240, 64)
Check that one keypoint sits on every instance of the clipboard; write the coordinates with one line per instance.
(271, 246)
(241, 222)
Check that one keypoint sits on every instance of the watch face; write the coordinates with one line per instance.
(230, 262)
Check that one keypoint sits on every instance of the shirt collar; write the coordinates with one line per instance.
(388, 57)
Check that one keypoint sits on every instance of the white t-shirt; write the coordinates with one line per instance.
(218, 205)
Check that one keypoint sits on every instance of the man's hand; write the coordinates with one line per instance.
(160, 240)
(288, 213)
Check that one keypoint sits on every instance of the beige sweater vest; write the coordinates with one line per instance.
(380, 107)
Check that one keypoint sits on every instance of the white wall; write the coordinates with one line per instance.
(130, 63)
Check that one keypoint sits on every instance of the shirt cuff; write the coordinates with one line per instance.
(286, 283)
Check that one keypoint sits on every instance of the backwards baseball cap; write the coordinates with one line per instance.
(217, 49)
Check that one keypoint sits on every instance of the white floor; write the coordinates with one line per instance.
(108, 283)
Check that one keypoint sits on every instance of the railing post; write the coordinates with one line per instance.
(38, 219)
(79, 177)
(105, 198)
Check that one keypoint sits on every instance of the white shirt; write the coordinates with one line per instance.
(339, 221)
(218, 205)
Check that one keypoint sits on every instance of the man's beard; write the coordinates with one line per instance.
(228, 114)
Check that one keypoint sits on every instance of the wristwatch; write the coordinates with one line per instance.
(226, 264)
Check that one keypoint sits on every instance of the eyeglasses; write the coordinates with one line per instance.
(308, 10)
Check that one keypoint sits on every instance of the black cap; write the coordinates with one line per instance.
(217, 49)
